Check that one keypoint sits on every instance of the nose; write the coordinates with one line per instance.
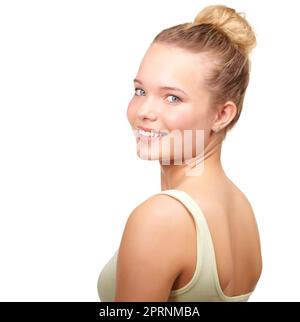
(147, 111)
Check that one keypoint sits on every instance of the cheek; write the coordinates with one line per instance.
(180, 120)
(131, 113)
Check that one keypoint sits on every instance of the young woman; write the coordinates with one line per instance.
(197, 239)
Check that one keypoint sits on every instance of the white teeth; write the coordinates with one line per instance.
(149, 134)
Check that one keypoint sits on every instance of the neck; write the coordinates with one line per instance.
(194, 171)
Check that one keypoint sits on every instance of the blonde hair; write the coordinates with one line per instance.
(227, 36)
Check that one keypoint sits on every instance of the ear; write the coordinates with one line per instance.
(224, 116)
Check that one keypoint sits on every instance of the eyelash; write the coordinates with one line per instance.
(178, 98)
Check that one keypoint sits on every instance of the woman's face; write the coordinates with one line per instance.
(175, 112)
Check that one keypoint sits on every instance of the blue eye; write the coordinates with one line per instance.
(136, 89)
(177, 98)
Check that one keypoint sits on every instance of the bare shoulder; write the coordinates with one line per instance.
(157, 215)
(151, 250)
(158, 207)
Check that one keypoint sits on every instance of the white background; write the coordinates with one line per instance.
(69, 173)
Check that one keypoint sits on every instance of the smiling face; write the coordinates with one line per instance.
(170, 96)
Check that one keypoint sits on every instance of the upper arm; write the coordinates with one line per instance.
(151, 251)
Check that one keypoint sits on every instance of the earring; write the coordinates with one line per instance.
(218, 129)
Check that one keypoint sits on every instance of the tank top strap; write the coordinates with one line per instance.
(205, 251)
(191, 206)
(206, 260)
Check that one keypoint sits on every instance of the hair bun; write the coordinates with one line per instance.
(230, 22)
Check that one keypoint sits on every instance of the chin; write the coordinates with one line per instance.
(145, 155)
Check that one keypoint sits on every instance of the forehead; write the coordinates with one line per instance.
(173, 66)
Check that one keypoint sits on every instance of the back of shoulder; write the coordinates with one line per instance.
(159, 210)
(151, 251)
(160, 222)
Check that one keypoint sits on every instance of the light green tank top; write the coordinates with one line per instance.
(204, 285)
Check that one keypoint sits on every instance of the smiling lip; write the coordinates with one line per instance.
(147, 129)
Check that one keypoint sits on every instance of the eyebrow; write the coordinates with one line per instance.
(164, 87)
